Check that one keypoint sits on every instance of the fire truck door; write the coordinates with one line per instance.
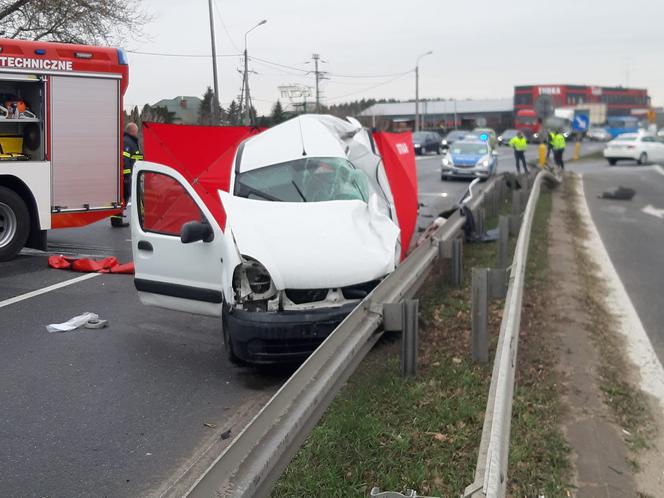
(85, 142)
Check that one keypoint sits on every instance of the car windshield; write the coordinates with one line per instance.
(469, 149)
(311, 179)
(625, 138)
(419, 136)
(455, 135)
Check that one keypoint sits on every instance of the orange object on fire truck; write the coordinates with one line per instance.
(60, 138)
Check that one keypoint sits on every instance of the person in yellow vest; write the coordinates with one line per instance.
(558, 144)
(520, 146)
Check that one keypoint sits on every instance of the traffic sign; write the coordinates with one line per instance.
(581, 122)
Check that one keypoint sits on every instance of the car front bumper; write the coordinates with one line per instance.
(281, 336)
(466, 172)
(610, 153)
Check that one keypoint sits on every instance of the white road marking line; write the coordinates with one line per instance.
(659, 169)
(652, 210)
(50, 288)
(639, 347)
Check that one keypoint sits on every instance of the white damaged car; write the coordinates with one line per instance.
(280, 232)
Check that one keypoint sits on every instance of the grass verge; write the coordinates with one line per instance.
(424, 433)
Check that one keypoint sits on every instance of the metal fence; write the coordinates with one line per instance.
(252, 463)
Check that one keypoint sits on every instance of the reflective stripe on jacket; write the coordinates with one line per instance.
(520, 144)
(130, 154)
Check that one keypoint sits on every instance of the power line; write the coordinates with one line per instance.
(367, 76)
(223, 24)
(369, 88)
(197, 56)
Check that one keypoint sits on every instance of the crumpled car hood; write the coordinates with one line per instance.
(314, 245)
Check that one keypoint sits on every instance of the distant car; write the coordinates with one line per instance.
(506, 136)
(486, 135)
(635, 147)
(660, 133)
(427, 141)
(452, 137)
(598, 134)
(469, 159)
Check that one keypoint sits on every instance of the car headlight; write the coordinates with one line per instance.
(447, 161)
(252, 280)
(483, 163)
(444, 142)
(535, 135)
(417, 146)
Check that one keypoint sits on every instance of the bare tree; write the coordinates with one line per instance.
(71, 21)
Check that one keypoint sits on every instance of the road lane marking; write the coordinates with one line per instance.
(639, 347)
(50, 288)
(652, 210)
(659, 169)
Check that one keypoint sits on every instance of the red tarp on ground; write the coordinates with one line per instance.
(202, 154)
(87, 265)
(401, 169)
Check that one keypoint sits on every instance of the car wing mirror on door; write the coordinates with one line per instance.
(193, 231)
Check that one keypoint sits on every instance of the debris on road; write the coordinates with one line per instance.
(209, 425)
(88, 265)
(87, 320)
(619, 194)
(225, 434)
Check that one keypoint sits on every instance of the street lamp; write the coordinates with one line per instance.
(247, 98)
(417, 89)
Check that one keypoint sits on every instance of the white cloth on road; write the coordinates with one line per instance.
(72, 323)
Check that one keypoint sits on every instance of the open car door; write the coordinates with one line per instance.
(179, 249)
(183, 256)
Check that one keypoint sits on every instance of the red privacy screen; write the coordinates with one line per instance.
(400, 167)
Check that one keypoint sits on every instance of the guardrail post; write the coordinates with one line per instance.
(480, 222)
(515, 218)
(453, 250)
(409, 338)
(479, 311)
(503, 240)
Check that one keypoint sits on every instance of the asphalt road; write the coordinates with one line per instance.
(121, 411)
(112, 412)
(633, 234)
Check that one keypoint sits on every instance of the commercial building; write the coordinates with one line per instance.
(441, 114)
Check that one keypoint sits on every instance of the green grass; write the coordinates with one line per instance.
(424, 433)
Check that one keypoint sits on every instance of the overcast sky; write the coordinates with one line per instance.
(481, 48)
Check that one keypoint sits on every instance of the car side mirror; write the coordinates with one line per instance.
(193, 231)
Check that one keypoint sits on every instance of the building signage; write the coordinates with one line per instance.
(549, 90)
(43, 64)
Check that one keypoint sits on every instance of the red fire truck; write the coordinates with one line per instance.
(60, 138)
(533, 103)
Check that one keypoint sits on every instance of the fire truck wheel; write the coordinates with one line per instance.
(14, 224)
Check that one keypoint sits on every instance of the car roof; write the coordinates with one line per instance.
(629, 135)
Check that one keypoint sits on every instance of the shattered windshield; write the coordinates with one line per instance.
(310, 179)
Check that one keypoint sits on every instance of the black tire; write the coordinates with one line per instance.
(643, 158)
(612, 162)
(440, 150)
(423, 150)
(443, 177)
(14, 224)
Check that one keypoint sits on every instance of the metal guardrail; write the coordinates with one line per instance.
(491, 470)
(252, 463)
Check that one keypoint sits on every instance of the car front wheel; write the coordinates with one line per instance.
(613, 162)
(643, 158)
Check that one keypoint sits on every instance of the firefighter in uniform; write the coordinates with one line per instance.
(520, 145)
(558, 144)
(130, 154)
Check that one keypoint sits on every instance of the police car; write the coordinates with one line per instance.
(469, 158)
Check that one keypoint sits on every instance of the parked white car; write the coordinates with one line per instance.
(637, 147)
(281, 234)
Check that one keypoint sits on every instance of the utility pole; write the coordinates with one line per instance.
(214, 112)
(417, 98)
(245, 81)
(245, 85)
(320, 75)
(417, 90)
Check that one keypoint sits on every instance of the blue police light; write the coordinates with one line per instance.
(122, 57)
(40, 51)
(484, 137)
